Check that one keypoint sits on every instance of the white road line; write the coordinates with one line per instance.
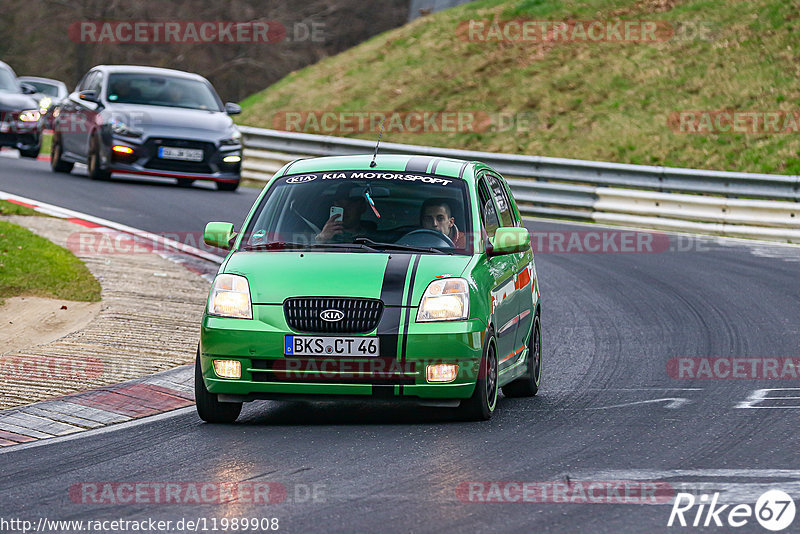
(731, 492)
(674, 402)
(60, 212)
(708, 237)
(760, 396)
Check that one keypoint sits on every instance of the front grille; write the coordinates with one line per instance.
(360, 315)
(199, 167)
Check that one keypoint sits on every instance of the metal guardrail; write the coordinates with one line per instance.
(722, 203)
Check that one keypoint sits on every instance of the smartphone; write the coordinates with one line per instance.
(337, 210)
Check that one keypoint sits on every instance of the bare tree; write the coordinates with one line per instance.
(35, 37)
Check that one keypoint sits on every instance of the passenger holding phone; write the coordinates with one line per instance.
(344, 222)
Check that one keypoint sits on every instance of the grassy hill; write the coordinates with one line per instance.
(610, 101)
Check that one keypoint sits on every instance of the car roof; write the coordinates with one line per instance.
(141, 69)
(451, 168)
(39, 79)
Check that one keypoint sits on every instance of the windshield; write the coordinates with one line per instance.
(367, 210)
(44, 88)
(8, 82)
(160, 90)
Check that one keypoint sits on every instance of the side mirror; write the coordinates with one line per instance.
(232, 109)
(509, 240)
(27, 89)
(219, 234)
(89, 96)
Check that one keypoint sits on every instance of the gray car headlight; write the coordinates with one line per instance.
(234, 140)
(120, 128)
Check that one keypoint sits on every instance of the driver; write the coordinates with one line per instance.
(348, 226)
(436, 214)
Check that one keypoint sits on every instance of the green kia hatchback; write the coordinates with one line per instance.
(393, 277)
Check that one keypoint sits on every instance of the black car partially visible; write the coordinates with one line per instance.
(49, 92)
(20, 119)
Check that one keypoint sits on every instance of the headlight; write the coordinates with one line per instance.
(444, 300)
(45, 102)
(30, 115)
(230, 297)
(233, 140)
(120, 128)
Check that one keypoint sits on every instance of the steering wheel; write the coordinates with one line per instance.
(429, 238)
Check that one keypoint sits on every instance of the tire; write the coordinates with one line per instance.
(185, 182)
(93, 163)
(32, 153)
(481, 405)
(227, 186)
(209, 408)
(56, 163)
(528, 385)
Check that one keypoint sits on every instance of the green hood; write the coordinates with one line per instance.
(276, 276)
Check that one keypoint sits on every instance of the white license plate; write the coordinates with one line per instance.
(5, 127)
(184, 154)
(331, 346)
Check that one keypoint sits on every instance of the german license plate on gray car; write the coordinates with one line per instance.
(183, 154)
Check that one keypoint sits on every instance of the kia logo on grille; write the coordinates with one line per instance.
(331, 315)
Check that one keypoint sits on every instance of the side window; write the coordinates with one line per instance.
(84, 85)
(490, 221)
(503, 204)
(515, 215)
(96, 83)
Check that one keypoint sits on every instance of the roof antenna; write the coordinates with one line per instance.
(375, 155)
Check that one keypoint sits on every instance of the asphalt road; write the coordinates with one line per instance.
(608, 409)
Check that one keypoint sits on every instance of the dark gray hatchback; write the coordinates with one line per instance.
(148, 121)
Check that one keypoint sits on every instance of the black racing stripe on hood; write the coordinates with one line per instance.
(418, 164)
(394, 278)
(408, 306)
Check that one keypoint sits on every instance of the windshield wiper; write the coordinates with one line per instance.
(397, 246)
(283, 245)
(273, 245)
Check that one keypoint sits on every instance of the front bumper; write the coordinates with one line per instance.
(144, 159)
(266, 373)
(20, 135)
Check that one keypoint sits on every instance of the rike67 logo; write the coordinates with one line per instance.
(774, 510)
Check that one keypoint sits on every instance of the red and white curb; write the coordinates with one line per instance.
(141, 397)
(14, 154)
(121, 403)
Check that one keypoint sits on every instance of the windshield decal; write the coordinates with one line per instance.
(367, 175)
